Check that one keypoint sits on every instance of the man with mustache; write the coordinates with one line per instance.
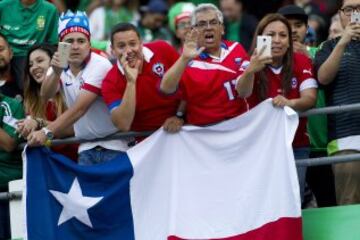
(131, 88)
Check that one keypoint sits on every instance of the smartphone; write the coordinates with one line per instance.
(64, 53)
(264, 41)
(355, 17)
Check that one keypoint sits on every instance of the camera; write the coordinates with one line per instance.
(264, 41)
(355, 17)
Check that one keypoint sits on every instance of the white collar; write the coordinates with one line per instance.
(276, 71)
(224, 52)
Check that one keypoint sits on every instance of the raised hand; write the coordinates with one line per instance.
(191, 49)
(351, 31)
(55, 63)
(258, 61)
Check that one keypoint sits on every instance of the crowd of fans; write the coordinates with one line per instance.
(137, 66)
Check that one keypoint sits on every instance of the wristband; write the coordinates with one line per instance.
(180, 115)
(48, 143)
(41, 123)
(48, 133)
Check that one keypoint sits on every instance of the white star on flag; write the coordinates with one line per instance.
(75, 204)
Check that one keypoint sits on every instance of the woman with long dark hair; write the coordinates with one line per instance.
(285, 76)
(41, 111)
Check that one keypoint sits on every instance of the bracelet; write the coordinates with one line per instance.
(41, 123)
(180, 115)
(48, 143)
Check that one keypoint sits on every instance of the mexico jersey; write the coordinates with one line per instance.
(152, 107)
(208, 86)
(302, 79)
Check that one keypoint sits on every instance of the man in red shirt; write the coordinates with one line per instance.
(131, 87)
(206, 76)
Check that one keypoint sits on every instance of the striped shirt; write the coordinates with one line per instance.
(345, 89)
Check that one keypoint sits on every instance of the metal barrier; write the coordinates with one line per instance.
(302, 162)
(331, 110)
(10, 196)
(314, 111)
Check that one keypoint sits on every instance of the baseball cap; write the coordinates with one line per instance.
(155, 6)
(179, 11)
(293, 11)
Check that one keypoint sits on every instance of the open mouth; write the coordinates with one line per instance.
(131, 57)
(38, 73)
(209, 37)
(276, 49)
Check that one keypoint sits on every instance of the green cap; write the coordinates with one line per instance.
(179, 11)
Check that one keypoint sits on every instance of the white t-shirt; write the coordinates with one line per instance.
(96, 122)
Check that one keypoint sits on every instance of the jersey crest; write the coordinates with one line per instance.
(294, 83)
(158, 69)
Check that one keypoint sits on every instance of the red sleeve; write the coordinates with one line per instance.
(112, 89)
(91, 88)
(303, 67)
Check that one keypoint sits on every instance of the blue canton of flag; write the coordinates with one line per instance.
(68, 201)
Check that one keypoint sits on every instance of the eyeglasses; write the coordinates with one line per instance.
(350, 9)
(206, 24)
(183, 25)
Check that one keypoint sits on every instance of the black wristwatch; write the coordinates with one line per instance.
(49, 134)
(180, 115)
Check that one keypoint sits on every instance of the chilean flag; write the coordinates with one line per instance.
(235, 180)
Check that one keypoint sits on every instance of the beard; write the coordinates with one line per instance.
(4, 67)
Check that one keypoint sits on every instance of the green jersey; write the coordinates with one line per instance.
(26, 26)
(233, 31)
(11, 111)
(317, 124)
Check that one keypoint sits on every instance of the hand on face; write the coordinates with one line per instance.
(191, 49)
(131, 67)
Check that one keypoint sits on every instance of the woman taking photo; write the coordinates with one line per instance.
(285, 76)
(41, 111)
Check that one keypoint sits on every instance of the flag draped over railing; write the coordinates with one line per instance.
(233, 180)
